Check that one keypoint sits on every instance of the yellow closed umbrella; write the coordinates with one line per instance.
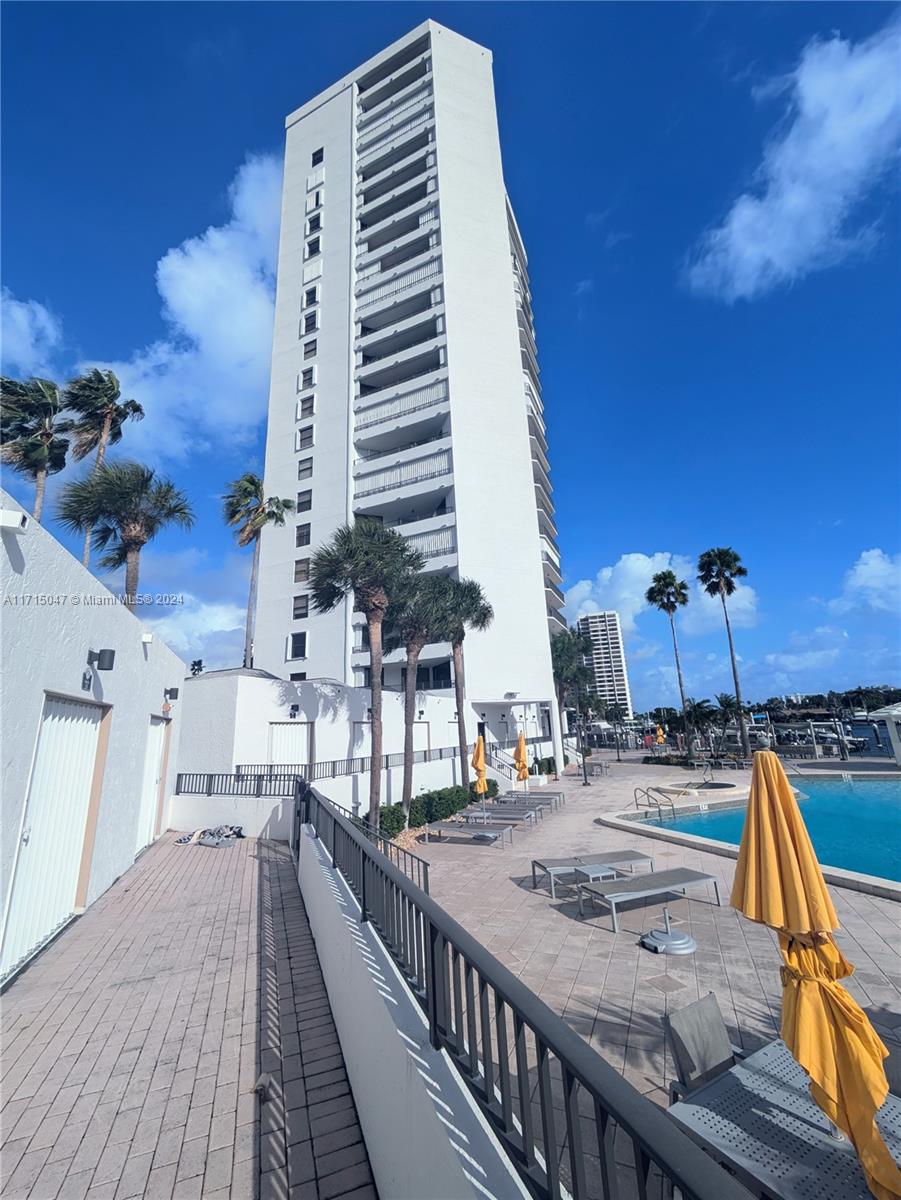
(478, 765)
(660, 736)
(778, 882)
(521, 762)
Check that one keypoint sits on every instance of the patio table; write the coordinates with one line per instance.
(758, 1120)
(591, 870)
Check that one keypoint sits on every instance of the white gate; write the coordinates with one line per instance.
(153, 777)
(289, 741)
(45, 875)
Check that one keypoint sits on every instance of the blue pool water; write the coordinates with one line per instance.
(853, 824)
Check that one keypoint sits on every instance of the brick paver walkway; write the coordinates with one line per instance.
(132, 1046)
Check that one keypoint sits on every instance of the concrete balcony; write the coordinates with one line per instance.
(405, 171)
(539, 474)
(394, 226)
(393, 451)
(422, 225)
(393, 115)
(551, 567)
(400, 151)
(399, 368)
(392, 273)
(410, 85)
(393, 135)
(385, 295)
(553, 595)
(416, 473)
(556, 623)
(543, 500)
(397, 202)
(405, 406)
(391, 341)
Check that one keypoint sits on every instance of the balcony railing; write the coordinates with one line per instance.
(417, 471)
(397, 131)
(402, 406)
(435, 543)
(554, 1104)
(384, 452)
(367, 131)
(429, 270)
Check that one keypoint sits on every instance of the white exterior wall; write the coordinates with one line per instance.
(328, 126)
(497, 525)
(44, 650)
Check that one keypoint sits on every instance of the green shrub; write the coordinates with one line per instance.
(391, 820)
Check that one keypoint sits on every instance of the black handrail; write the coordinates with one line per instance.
(553, 1102)
(412, 865)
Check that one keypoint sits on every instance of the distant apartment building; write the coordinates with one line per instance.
(607, 661)
(404, 373)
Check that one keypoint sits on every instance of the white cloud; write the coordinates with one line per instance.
(622, 587)
(811, 651)
(30, 336)
(205, 384)
(838, 137)
(584, 287)
(873, 582)
(208, 630)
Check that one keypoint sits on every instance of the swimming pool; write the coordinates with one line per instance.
(854, 824)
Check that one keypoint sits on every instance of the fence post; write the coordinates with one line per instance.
(434, 982)
(425, 877)
(260, 785)
(209, 785)
(364, 915)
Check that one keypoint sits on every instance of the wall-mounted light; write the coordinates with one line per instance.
(421, 713)
(103, 660)
(170, 693)
(146, 639)
(293, 711)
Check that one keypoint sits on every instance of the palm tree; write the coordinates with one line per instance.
(421, 617)
(102, 412)
(568, 651)
(667, 593)
(33, 431)
(718, 570)
(197, 666)
(373, 564)
(247, 511)
(698, 712)
(727, 707)
(467, 608)
(126, 504)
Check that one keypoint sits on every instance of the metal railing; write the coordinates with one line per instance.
(388, 290)
(412, 865)
(554, 1104)
(410, 402)
(329, 769)
(419, 470)
(202, 783)
(365, 148)
(646, 798)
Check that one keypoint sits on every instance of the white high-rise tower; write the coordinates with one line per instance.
(607, 660)
(404, 375)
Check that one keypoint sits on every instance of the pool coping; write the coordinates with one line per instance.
(873, 885)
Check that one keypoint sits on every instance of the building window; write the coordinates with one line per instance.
(317, 198)
(313, 246)
(309, 349)
(304, 501)
(311, 322)
(298, 676)
(310, 296)
(302, 535)
(305, 468)
(301, 607)
(305, 437)
(315, 223)
(318, 156)
(306, 407)
(298, 645)
(301, 570)
(307, 378)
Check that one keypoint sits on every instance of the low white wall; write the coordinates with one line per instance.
(399, 1082)
(45, 649)
(258, 816)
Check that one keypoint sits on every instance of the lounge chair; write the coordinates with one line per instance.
(475, 816)
(492, 831)
(657, 883)
(550, 800)
(506, 802)
(699, 1040)
(612, 860)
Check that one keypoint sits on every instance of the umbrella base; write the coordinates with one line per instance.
(665, 941)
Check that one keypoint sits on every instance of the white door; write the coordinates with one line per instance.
(45, 875)
(289, 742)
(153, 776)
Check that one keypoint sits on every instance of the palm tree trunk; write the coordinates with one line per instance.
(374, 621)
(743, 729)
(251, 602)
(132, 563)
(685, 718)
(414, 649)
(459, 691)
(40, 484)
(98, 463)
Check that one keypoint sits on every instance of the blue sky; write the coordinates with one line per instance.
(708, 197)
